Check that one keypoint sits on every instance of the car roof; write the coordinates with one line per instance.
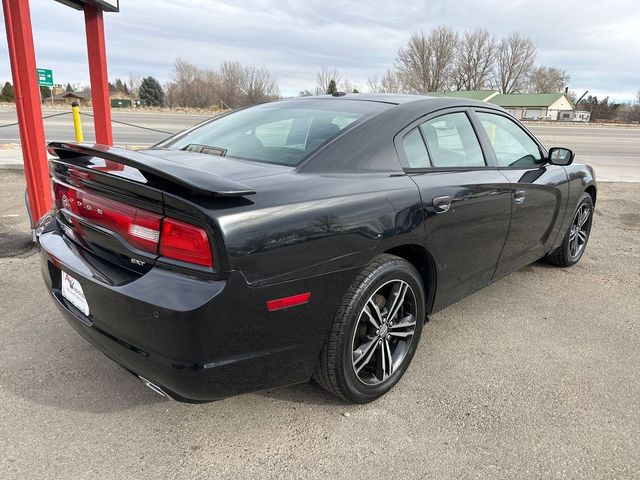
(400, 99)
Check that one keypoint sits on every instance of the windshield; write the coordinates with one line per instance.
(283, 133)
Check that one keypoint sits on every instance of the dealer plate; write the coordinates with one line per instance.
(72, 291)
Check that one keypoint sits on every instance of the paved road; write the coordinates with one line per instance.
(535, 377)
(61, 127)
(613, 151)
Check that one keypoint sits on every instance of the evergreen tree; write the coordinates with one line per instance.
(45, 92)
(7, 94)
(332, 88)
(69, 88)
(151, 92)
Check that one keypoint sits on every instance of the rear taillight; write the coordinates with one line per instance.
(137, 227)
(185, 242)
(144, 230)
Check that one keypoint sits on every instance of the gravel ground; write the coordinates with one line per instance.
(536, 376)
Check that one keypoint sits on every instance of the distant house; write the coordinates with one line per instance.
(576, 116)
(536, 106)
(67, 98)
(525, 106)
(117, 99)
(123, 100)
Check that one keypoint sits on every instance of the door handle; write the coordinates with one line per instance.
(518, 197)
(441, 204)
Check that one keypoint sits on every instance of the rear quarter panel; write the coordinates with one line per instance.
(302, 225)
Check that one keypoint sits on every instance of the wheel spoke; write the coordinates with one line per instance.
(584, 217)
(396, 299)
(375, 310)
(387, 359)
(375, 322)
(401, 334)
(405, 322)
(364, 352)
(582, 236)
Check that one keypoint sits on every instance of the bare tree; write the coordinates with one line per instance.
(547, 80)
(323, 77)
(516, 57)
(475, 60)
(134, 84)
(389, 83)
(348, 86)
(258, 85)
(191, 86)
(231, 78)
(426, 63)
(232, 85)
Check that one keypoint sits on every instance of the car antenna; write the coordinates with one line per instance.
(338, 94)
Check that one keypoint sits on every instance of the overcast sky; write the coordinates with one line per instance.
(598, 43)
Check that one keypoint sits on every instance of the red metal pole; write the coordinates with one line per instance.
(17, 18)
(96, 49)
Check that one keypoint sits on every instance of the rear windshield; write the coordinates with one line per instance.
(283, 133)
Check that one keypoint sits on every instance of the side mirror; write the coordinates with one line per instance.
(561, 156)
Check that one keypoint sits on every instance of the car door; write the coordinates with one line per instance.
(539, 189)
(466, 205)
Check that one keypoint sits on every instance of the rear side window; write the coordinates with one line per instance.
(452, 142)
(513, 147)
(284, 133)
(415, 150)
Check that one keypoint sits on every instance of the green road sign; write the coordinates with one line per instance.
(45, 77)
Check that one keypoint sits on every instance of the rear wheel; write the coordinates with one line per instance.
(575, 241)
(375, 332)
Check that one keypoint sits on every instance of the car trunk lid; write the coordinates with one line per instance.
(111, 201)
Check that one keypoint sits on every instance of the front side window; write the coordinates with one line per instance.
(452, 142)
(513, 147)
(283, 133)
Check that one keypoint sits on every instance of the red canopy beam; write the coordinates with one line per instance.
(97, 51)
(17, 19)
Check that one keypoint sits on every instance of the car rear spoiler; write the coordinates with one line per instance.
(198, 180)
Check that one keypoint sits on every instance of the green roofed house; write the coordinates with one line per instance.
(536, 106)
(525, 106)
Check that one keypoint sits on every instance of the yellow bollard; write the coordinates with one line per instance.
(77, 123)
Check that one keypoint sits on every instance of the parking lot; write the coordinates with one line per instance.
(536, 376)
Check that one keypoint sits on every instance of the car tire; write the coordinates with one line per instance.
(575, 240)
(388, 334)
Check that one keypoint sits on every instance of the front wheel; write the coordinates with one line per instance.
(374, 333)
(575, 241)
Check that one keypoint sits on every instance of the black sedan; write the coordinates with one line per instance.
(299, 239)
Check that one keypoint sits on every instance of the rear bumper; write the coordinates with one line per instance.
(199, 340)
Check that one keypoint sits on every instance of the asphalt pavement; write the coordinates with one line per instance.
(60, 127)
(534, 377)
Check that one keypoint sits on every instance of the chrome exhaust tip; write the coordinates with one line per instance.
(153, 386)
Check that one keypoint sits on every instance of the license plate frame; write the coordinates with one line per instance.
(72, 292)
